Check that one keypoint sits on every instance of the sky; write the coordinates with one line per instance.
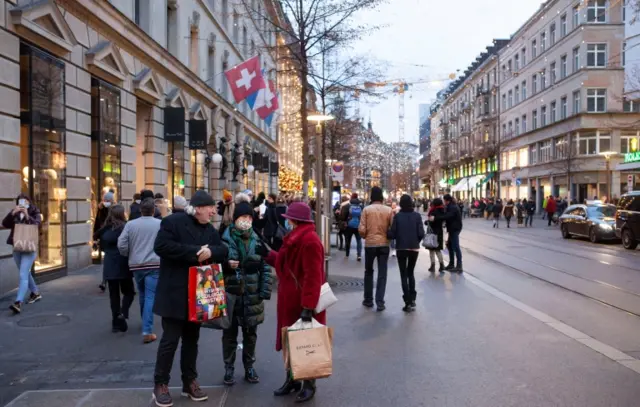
(427, 40)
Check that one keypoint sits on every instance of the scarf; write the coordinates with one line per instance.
(433, 208)
(241, 239)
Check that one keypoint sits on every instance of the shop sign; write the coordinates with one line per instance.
(632, 157)
(174, 124)
(197, 134)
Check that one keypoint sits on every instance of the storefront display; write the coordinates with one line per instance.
(176, 169)
(43, 159)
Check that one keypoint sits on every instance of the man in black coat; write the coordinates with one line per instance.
(453, 220)
(185, 239)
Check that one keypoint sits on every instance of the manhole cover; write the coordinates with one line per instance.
(346, 283)
(41, 321)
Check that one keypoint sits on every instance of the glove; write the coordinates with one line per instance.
(262, 249)
(306, 315)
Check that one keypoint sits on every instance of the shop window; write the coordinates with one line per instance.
(198, 170)
(43, 159)
(176, 169)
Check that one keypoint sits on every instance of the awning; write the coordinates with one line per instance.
(488, 177)
(466, 184)
(443, 183)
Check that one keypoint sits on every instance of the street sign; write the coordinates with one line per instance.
(337, 172)
(630, 182)
(518, 181)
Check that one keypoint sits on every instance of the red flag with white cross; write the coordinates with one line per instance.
(245, 78)
(267, 102)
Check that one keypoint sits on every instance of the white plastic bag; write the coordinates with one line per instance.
(327, 298)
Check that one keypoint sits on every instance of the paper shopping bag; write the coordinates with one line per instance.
(25, 238)
(207, 299)
(309, 353)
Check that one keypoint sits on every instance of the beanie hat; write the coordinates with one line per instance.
(406, 203)
(376, 194)
(108, 196)
(146, 193)
(201, 198)
(242, 208)
(226, 196)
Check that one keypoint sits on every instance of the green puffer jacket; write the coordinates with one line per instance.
(251, 281)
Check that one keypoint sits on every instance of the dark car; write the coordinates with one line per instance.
(594, 220)
(628, 220)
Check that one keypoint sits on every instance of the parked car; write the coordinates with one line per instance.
(628, 220)
(594, 220)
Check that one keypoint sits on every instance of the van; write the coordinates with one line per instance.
(628, 220)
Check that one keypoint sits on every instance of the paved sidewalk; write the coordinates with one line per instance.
(462, 347)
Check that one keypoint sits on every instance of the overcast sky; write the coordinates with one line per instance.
(428, 40)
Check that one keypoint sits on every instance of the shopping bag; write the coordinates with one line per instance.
(25, 237)
(308, 350)
(327, 298)
(430, 239)
(225, 321)
(207, 298)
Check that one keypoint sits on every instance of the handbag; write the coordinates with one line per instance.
(207, 296)
(327, 298)
(225, 321)
(430, 239)
(25, 238)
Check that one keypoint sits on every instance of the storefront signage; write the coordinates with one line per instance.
(256, 160)
(197, 134)
(632, 157)
(265, 163)
(275, 167)
(174, 124)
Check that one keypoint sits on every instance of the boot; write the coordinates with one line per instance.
(229, 380)
(119, 324)
(441, 268)
(458, 268)
(450, 266)
(288, 387)
(307, 392)
(432, 269)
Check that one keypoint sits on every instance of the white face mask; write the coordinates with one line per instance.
(107, 204)
(243, 225)
(138, 201)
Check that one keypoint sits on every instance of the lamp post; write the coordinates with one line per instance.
(319, 119)
(607, 155)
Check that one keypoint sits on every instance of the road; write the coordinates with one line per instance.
(527, 324)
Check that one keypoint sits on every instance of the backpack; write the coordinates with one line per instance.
(355, 211)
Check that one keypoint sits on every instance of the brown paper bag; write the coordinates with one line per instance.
(308, 352)
(25, 238)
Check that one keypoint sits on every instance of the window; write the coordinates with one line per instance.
(172, 30)
(624, 53)
(596, 55)
(534, 119)
(504, 102)
(561, 148)
(563, 67)
(631, 105)
(545, 151)
(624, 11)
(175, 165)
(225, 14)
(534, 84)
(225, 84)
(510, 98)
(211, 64)
(543, 41)
(552, 112)
(563, 25)
(563, 107)
(543, 79)
(524, 123)
(136, 11)
(576, 102)
(596, 100)
(543, 116)
(517, 127)
(576, 59)
(533, 154)
(629, 142)
(524, 56)
(604, 142)
(587, 144)
(516, 62)
(597, 11)
(42, 147)
(517, 94)
(552, 34)
(236, 28)
(576, 16)
(552, 71)
(524, 90)
(534, 49)
(509, 66)
(510, 132)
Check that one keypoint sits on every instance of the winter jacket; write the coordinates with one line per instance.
(345, 210)
(180, 238)
(271, 221)
(407, 230)
(114, 265)
(436, 225)
(497, 209)
(11, 220)
(101, 217)
(136, 241)
(452, 217)
(281, 209)
(375, 224)
(551, 206)
(530, 207)
(251, 281)
(508, 211)
(136, 213)
(300, 268)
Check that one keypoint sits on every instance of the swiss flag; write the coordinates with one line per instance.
(245, 79)
(266, 103)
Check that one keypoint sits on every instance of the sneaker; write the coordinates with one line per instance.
(146, 338)
(228, 376)
(406, 308)
(34, 297)
(368, 304)
(380, 308)
(393, 253)
(359, 258)
(102, 287)
(251, 376)
(412, 304)
(161, 396)
(194, 392)
(450, 267)
(16, 307)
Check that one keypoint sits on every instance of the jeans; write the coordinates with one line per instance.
(348, 234)
(172, 331)
(370, 254)
(340, 238)
(146, 280)
(453, 244)
(24, 262)
(508, 218)
(407, 263)
(116, 286)
(529, 219)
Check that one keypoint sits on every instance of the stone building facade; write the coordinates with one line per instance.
(85, 92)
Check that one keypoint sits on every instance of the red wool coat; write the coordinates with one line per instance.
(300, 268)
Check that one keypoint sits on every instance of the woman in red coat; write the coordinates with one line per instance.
(300, 268)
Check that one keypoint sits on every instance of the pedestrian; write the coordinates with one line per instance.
(497, 211)
(407, 231)
(101, 216)
(340, 224)
(508, 211)
(374, 225)
(530, 208)
(115, 268)
(465, 209)
(179, 203)
(395, 209)
(545, 201)
(520, 211)
(225, 209)
(184, 240)
(136, 242)
(489, 210)
(135, 211)
(162, 205)
(299, 266)
(135, 205)
(247, 281)
(350, 215)
(453, 221)
(550, 210)
(25, 212)
(259, 208)
(437, 210)
(271, 221)
(281, 209)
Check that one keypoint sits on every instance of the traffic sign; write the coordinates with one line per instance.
(518, 181)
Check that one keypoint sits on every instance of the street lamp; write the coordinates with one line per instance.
(607, 155)
(319, 119)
